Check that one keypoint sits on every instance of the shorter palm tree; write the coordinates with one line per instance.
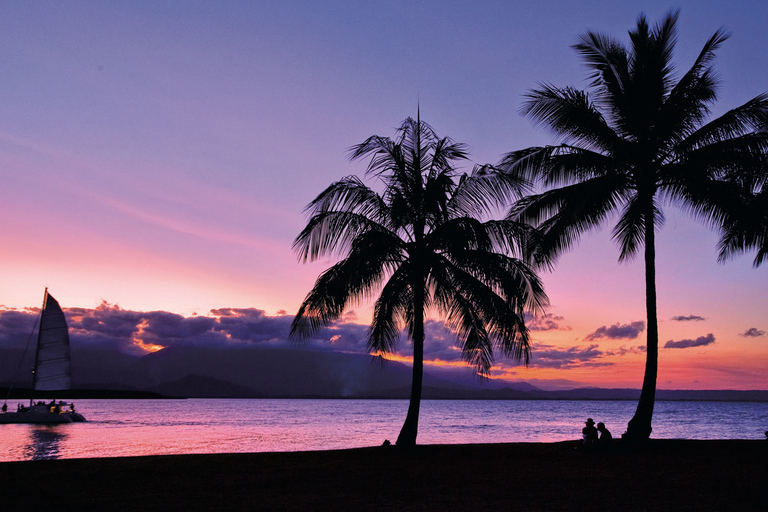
(420, 246)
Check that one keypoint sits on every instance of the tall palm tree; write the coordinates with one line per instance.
(640, 140)
(419, 246)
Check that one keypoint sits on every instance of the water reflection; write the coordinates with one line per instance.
(120, 428)
(44, 443)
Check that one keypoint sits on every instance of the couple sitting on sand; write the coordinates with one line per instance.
(589, 433)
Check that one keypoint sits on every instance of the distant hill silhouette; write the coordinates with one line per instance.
(266, 372)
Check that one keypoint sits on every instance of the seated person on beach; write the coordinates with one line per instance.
(589, 433)
(605, 434)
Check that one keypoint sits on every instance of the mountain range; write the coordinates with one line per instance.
(265, 372)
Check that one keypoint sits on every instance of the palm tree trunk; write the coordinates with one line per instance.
(410, 428)
(639, 428)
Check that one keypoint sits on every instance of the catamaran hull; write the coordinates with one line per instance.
(39, 418)
(42, 414)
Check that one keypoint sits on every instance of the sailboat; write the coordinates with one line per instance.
(52, 371)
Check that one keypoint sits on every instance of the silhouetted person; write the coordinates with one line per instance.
(5, 408)
(589, 433)
(605, 435)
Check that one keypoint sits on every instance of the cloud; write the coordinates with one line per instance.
(617, 332)
(16, 326)
(752, 332)
(689, 318)
(548, 322)
(111, 328)
(623, 351)
(108, 327)
(547, 356)
(698, 342)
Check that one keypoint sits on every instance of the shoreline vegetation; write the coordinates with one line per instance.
(661, 475)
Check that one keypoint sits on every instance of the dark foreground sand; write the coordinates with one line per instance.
(664, 475)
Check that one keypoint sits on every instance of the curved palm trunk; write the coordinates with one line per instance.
(639, 428)
(410, 428)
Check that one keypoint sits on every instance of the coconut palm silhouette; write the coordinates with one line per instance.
(420, 246)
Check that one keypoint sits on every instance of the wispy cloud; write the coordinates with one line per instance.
(186, 227)
(617, 332)
(698, 342)
(752, 332)
(623, 351)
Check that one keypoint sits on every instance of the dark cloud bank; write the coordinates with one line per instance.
(231, 352)
(246, 353)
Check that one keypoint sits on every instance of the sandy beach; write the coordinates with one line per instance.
(664, 475)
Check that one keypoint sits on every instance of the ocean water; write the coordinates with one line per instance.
(117, 428)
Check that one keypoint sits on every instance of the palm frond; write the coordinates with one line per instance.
(562, 215)
(686, 107)
(482, 295)
(749, 118)
(629, 231)
(557, 165)
(608, 63)
(371, 258)
(391, 312)
(569, 113)
(484, 190)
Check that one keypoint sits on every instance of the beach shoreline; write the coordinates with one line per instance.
(662, 475)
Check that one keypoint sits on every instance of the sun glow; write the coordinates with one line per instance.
(137, 341)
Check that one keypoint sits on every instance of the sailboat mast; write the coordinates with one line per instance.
(37, 347)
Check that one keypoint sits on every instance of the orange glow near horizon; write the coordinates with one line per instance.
(137, 341)
(677, 370)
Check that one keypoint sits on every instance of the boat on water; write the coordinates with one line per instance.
(52, 371)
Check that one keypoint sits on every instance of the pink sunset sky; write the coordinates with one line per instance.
(158, 156)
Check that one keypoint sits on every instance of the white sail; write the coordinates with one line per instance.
(52, 363)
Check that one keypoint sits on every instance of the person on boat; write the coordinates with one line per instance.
(605, 434)
(589, 433)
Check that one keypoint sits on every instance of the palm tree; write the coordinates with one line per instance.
(639, 141)
(420, 246)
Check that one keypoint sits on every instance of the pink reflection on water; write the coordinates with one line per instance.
(117, 428)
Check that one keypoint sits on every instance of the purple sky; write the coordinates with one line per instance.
(158, 155)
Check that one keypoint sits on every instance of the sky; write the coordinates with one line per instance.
(156, 158)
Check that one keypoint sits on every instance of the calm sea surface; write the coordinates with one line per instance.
(117, 428)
